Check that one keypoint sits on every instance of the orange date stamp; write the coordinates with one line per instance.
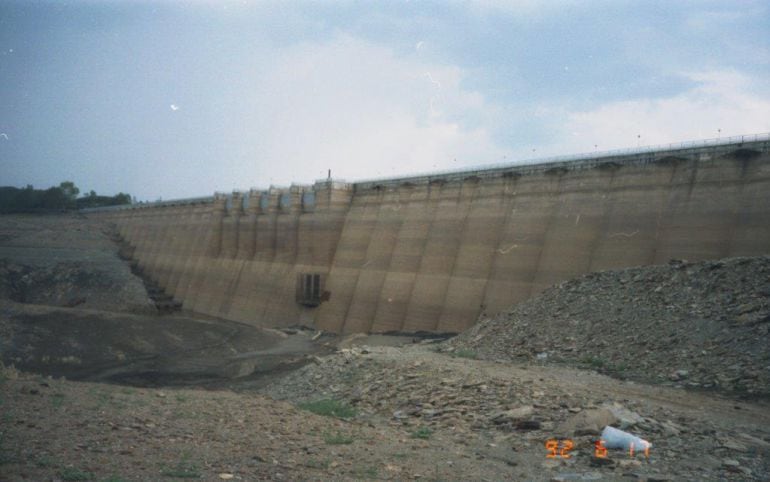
(556, 448)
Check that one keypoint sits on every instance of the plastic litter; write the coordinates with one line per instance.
(618, 439)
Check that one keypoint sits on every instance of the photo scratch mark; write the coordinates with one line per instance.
(577, 219)
(625, 235)
(507, 249)
(437, 96)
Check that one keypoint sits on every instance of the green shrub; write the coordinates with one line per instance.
(57, 400)
(465, 353)
(329, 408)
(183, 470)
(318, 463)
(422, 433)
(71, 473)
(594, 361)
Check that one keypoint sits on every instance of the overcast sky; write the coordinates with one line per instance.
(176, 99)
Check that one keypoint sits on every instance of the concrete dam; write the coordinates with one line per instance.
(435, 252)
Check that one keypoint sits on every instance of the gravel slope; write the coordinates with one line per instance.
(699, 325)
(66, 260)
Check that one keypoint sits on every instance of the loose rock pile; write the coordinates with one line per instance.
(411, 395)
(698, 325)
(506, 412)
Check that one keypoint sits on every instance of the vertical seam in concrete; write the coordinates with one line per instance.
(386, 264)
(432, 205)
(228, 300)
(607, 210)
(358, 271)
(506, 221)
(548, 226)
(664, 209)
(463, 228)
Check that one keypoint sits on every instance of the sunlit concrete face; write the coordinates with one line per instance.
(435, 253)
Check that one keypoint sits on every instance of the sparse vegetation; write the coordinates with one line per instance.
(329, 408)
(366, 472)
(422, 433)
(605, 366)
(338, 438)
(594, 361)
(47, 461)
(318, 463)
(8, 373)
(5, 455)
(465, 353)
(618, 369)
(185, 469)
(73, 474)
(57, 400)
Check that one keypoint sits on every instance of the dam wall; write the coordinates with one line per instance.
(435, 252)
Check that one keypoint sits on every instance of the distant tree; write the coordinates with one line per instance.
(27, 198)
(13, 199)
(93, 200)
(54, 198)
(122, 198)
(70, 190)
(8, 197)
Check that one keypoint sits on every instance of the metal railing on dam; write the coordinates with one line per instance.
(171, 202)
(575, 161)
(436, 252)
(571, 161)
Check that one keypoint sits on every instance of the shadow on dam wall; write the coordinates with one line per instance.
(434, 253)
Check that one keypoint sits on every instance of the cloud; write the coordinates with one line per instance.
(719, 100)
(518, 6)
(708, 20)
(363, 111)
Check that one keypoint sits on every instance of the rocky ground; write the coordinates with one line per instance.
(507, 411)
(406, 413)
(698, 325)
(54, 430)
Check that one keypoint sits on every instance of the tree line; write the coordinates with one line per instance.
(56, 198)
